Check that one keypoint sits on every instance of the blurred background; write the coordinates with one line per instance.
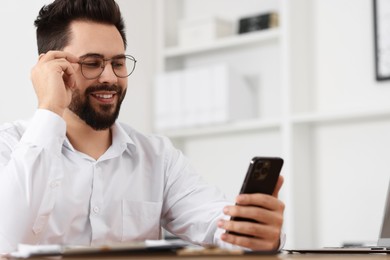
(228, 80)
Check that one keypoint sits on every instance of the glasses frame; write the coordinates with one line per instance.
(105, 60)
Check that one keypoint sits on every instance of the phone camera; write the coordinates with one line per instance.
(267, 164)
(261, 170)
(259, 165)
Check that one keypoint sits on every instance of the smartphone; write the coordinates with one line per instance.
(261, 177)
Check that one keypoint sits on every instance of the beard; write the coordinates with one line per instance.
(102, 117)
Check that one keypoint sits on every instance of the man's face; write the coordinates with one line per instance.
(97, 101)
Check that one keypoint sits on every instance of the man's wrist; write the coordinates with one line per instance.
(55, 109)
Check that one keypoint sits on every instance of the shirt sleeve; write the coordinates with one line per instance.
(193, 207)
(30, 173)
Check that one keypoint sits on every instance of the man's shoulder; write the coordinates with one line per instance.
(140, 138)
(12, 132)
(15, 128)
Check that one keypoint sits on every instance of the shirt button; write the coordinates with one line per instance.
(96, 209)
(54, 184)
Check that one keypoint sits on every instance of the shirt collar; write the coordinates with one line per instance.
(121, 141)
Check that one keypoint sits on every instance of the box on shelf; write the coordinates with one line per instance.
(200, 31)
(201, 96)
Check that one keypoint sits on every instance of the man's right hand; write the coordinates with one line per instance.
(54, 79)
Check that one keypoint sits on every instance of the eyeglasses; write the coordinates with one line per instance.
(93, 66)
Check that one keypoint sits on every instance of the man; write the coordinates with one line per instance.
(73, 175)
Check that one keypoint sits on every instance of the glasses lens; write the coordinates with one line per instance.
(120, 67)
(124, 66)
(92, 67)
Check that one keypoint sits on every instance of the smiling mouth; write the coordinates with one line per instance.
(104, 97)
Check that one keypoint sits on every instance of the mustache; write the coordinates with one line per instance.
(103, 87)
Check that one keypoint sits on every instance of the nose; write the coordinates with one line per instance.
(108, 76)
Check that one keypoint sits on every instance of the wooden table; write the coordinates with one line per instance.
(261, 257)
(282, 256)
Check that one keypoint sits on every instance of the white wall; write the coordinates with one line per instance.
(140, 28)
(19, 54)
(345, 75)
(352, 170)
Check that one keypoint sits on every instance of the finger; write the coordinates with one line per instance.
(257, 230)
(278, 186)
(51, 55)
(69, 80)
(260, 200)
(69, 75)
(252, 243)
(261, 215)
(63, 68)
(60, 66)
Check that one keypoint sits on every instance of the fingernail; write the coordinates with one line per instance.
(226, 210)
(220, 223)
(240, 198)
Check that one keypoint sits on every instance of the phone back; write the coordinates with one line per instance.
(262, 175)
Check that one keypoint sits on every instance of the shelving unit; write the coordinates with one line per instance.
(298, 118)
(249, 54)
(225, 43)
(232, 128)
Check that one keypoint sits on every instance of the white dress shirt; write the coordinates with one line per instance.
(52, 194)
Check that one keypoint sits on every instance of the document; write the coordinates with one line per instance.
(148, 246)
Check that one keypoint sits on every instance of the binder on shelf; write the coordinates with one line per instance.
(201, 96)
(168, 101)
(234, 98)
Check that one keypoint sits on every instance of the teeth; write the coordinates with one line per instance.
(104, 95)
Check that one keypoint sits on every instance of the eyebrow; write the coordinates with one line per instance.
(98, 55)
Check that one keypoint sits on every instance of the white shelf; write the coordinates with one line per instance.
(337, 117)
(230, 128)
(275, 124)
(227, 42)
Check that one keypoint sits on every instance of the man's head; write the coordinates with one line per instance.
(92, 30)
(53, 21)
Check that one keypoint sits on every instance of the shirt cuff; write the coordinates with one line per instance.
(46, 129)
(282, 241)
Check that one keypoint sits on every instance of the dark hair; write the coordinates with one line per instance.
(53, 21)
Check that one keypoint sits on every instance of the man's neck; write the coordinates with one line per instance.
(84, 138)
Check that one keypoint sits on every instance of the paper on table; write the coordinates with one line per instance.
(25, 251)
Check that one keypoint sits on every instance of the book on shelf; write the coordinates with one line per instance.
(258, 22)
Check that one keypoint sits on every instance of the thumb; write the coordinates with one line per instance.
(278, 186)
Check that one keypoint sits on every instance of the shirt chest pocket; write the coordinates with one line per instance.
(141, 220)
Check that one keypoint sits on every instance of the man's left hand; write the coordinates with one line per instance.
(266, 210)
